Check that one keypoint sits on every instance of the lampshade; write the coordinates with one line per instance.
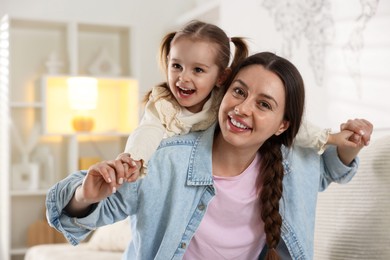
(82, 94)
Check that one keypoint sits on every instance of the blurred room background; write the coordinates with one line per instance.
(341, 48)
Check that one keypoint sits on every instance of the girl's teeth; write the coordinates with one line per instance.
(187, 91)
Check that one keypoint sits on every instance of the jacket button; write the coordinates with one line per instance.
(201, 207)
(183, 245)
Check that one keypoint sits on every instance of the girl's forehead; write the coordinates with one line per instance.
(187, 39)
(198, 49)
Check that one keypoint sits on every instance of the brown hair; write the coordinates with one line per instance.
(201, 31)
(271, 167)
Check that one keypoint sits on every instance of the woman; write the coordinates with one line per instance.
(229, 192)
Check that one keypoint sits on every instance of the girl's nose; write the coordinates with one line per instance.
(184, 76)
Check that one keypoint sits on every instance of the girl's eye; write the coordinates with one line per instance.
(199, 70)
(176, 66)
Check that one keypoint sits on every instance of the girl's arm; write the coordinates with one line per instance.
(312, 136)
(145, 139)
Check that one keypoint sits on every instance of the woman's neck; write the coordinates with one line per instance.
(228, 160)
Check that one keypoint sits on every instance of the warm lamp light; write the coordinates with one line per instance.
(82, 94)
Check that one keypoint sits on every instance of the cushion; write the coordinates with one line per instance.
(114, 237)
(353, 220)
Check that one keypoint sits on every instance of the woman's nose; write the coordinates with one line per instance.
(244, 108)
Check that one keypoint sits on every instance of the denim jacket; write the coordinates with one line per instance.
(167, 205)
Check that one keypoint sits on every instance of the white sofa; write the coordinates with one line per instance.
(353, 220)
(106, 243)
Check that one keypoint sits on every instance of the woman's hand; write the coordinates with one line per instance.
(105, 178)
(102, 180)
(353, 133)
(362, 130)
(357, 131)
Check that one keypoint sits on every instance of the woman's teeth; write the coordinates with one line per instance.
(237, 124)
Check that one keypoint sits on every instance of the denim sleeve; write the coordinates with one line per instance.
(107, 211)
(335, 170)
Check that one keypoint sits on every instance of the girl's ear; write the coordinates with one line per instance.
(283, 127)
(223, 77)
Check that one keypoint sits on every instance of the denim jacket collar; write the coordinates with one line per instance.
(200, 166)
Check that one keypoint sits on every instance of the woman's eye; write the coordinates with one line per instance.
(265, 105)
(238, 92)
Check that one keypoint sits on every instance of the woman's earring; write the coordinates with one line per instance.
(236, 111)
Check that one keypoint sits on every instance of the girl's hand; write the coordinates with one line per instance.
(362, 130)
(132, 167)
(344, 138)
(354, 133)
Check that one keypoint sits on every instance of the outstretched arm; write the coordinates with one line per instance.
(310, 135)
(102, 179)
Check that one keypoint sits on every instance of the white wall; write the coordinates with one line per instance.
(355, 48)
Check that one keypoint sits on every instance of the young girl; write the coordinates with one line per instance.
(196, 61)
(234, 191)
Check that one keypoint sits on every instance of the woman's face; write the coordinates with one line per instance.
(252, 109)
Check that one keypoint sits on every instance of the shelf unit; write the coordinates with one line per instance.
(36, 58)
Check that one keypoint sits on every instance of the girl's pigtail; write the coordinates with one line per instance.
(164, 50)
(163, 57)
(241, 51)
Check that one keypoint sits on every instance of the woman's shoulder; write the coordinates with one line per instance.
(297, 155)
(189, 139)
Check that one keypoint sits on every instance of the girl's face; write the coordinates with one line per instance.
(192, 72)
(252, 109)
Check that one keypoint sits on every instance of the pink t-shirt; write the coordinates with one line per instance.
(232, 227)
